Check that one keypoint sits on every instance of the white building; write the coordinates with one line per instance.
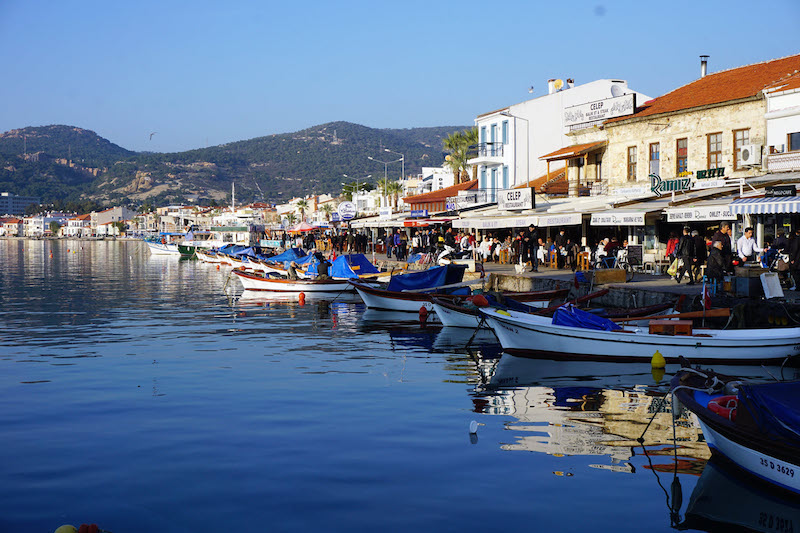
(79, 226)
(512, 139)
(39, 225)
(783, 125)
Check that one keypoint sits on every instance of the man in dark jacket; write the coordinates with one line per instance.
(561, 248)
(686, 252)
(724, 236)
(700, 252)
(716, 263)
(530, 242)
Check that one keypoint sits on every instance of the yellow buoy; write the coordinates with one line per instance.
(67, 528)
(658, 360)
(658, 373)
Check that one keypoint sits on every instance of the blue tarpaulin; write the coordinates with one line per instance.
(249, 252)
(774, 407)
(292, 254)
(569, 315)
(428, 279)
(351, 266)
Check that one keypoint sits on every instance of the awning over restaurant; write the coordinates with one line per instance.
(764, 205)
(700, 213)
(562, 219)
(496, 222)
(618, 217)
(571, 152)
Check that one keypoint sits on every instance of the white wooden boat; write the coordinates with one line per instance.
(255, 282)
(527, 334)
(158, 248)
(458, 315)
(756, 426)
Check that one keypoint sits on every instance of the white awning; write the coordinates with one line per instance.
(563, 219)
(764, 205)
(700, 213)
(618, 217)
(496, 222)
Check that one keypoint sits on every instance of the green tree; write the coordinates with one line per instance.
(327, 209)
(291, 219)
(302, 206)
(54, 227)
(121, 227)
(393, 189)
(459, 147)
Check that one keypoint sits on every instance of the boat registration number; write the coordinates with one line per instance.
(770, 522)
(782, 469)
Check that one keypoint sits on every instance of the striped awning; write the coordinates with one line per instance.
(764, 205)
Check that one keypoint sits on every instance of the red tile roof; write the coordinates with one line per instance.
(785, 84)
(542, 181)
(441, 194)
(575, 150)
(719, 87)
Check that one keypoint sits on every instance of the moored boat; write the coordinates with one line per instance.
(163, 248)
(565, 336)
(755, 426)
(456, 313)
(255, 282)
(409, 292)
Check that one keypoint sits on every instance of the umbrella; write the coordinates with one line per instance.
(303, 226)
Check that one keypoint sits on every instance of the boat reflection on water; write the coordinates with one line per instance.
(568, 408)
(725, 500)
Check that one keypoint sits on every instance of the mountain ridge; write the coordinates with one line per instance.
(61, 162)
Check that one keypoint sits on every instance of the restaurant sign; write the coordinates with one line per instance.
(419, 213)
(347, 210)
(694, 214)
(516, 199)
(619, 218)
(780, 191)
(659, 186)
(617, 106)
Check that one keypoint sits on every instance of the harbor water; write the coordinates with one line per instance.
(146, 393)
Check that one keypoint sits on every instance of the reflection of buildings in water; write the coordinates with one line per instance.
(589, 421)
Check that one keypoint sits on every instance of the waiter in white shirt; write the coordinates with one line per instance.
(746, 246)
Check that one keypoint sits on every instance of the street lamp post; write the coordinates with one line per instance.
(385, 173)
(403, 162)
(357, 188)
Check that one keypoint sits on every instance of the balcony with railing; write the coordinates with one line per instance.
(783, 162)
(489, 153)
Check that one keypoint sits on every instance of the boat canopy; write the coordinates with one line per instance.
(569, 315)
(428, 279)
(773, 407)
(352, 266)
(292, 254)
(249, 252)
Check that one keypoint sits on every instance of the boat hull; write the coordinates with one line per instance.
(771, 469)
(157, 248)
(531, 335)
(407, 302)
(253, 282)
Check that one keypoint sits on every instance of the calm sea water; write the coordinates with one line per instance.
(149, 394)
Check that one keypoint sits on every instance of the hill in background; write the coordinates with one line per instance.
(64, 163)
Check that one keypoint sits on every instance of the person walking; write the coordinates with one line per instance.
(686, 253)
(700, 253)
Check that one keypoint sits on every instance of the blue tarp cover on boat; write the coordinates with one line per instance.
(249, 252)
(342, 266)
(569, 315)
(774, 407)
(428, 279)
(292, 254)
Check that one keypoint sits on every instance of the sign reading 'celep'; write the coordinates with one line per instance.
(619, 106)
(516, 199)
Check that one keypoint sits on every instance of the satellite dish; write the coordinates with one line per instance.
(616, 90)
(558, 84)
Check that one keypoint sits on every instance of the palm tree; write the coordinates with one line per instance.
(291, 218)
(458, 145)
(394, 189)
(327, 209)
(301, 205)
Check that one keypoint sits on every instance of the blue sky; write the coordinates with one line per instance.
(205, 73)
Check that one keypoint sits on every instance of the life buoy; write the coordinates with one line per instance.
(724, 406)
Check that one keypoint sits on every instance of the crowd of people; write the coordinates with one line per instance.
(690, 252)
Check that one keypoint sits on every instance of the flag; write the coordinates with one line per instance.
(706, 297)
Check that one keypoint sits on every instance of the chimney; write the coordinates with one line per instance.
(570, 83)
(703, 66)
(551, 86)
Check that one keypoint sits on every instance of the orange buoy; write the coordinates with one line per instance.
(423, 313)
(302, 298)
(217, 267)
